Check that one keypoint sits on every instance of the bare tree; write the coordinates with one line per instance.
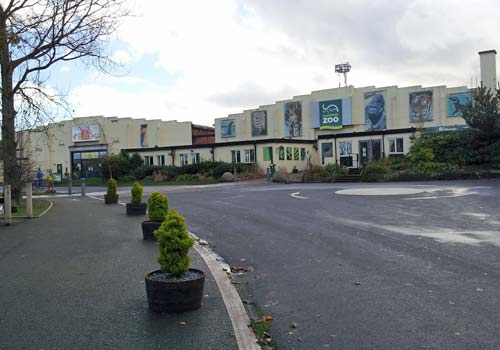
(35, 35)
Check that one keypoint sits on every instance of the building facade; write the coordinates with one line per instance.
(347, 126)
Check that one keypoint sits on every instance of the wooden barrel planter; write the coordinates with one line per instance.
(167, 293)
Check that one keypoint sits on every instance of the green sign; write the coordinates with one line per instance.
(268, 154)
(330, 114)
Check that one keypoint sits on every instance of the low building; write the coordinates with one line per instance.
(348, 126)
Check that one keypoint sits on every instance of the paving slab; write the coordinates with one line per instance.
(74, 279)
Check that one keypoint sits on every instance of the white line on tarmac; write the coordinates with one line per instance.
(45, 212)
(239, 318)
(439, 197)
(296, 195)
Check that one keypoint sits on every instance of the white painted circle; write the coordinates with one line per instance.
(380, 191)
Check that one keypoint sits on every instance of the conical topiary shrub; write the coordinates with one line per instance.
(174, 243)
(111, 196)
(176, 287)
(136, 192)
(158, 206)
(157, 211)
(136, 207)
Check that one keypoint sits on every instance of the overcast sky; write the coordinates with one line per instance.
(198, 60)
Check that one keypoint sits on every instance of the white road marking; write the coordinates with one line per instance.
(437, 197)
(296, 195)
(45, 212)
(440, 234)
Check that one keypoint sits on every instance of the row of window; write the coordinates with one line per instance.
(249, 156)
(184, 159)
(345, 147)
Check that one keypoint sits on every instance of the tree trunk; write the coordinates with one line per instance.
(9, 153)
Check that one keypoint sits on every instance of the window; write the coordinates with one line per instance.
(396, 146)
(281, 153)
(161, 160)
(289, 153)
(195, 158)
(345, 148)
(302, 154)
(296, 154)
(184, 158)
(235, 156)
(249, 156)
(148, 160)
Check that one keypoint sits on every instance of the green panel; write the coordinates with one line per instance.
(268, 153)
(330, 114)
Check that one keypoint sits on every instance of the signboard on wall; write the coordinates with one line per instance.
(85, 132)
(144, 129)
(293, 119)
(227, 128)
(375, 115)
(420, 106)
(259, 123)
(330, 115)
(457, 103)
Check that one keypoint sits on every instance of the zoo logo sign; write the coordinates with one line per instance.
(330, 114)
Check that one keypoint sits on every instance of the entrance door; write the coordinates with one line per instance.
(369, 151)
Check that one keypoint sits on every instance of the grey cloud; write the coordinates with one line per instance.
(367, 33)
(250, 95)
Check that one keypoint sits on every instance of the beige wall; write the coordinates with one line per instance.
(50, 146)
(396, 107)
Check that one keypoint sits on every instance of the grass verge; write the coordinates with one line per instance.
(39, 206)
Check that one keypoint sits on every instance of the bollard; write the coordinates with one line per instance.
(70, 186)
(7, 209)
(29, 200)
(83, 186)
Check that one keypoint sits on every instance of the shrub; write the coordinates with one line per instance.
(186, 178)
(432, 167)
(112, 187)
(374, 168)
(317, 174)
(136, 192)
(174, 242)
(335, 169)
(157, 206)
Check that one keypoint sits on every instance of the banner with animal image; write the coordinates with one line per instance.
(259, 123)
(227, 128)
(330, 115)
(420, 106)
(457, 103)
(85, 132)
(144, 128)
(293, 119)
(327, 149)
(375, 115)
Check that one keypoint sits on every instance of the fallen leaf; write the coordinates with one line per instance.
(266, 318)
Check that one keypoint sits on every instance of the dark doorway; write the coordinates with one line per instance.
(369, 151)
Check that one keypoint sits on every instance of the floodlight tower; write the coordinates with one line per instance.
(343, 68)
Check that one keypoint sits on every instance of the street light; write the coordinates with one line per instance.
(343, 68)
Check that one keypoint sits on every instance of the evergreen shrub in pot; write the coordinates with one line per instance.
(111, 196)
(136, 207)
(157, 211)
(175, 287)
